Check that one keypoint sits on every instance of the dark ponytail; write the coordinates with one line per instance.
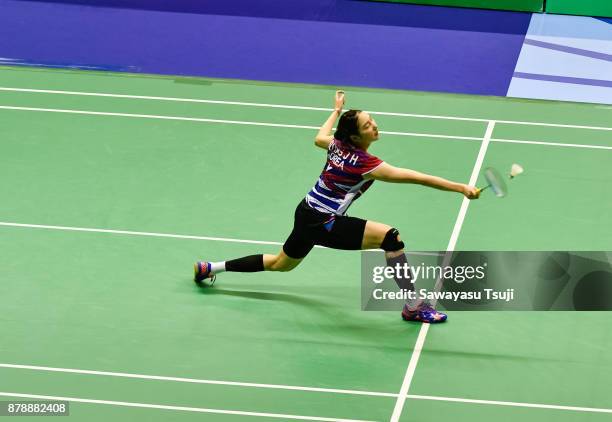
(347, 126)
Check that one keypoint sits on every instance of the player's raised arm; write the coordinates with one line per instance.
(388, 173)
(324, 137)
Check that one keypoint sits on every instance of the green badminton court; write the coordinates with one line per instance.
(113, 185)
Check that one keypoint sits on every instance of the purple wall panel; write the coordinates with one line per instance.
(319, 51)
(347, 11)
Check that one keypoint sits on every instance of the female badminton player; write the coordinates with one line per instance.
(320, 217)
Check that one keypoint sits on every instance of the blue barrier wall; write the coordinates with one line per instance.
(331, 42)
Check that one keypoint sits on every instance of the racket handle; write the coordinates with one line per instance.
(481, 189)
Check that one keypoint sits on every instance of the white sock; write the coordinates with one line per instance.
(217, 267)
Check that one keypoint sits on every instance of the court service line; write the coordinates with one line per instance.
(554, 144)
(238, 103)
(283, 125)
(301, 388)
(512, 404)
(205, 120)
(154, 116)
(196, 381)
(179, 408)
(418, 347)
(168, 235)
(292, 107)
(136, 233)
(158, 98)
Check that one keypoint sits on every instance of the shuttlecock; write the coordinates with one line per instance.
(515, 170)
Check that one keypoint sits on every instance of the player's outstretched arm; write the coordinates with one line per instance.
(324, 137)
(389, 173)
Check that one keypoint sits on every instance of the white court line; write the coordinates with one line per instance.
(169, 235)
(555, 144)
(516, 122)
(473, 180)
(294, 107)
(414, 358)
(204, 120)
(154, 116)
(174, 99)
(430, 135)
(135, 233)
(282, 125)
(418, 347)
(180, 408)
(197, 381)
(512, 404)
(300, 388)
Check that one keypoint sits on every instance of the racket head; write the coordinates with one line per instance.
(495, 179)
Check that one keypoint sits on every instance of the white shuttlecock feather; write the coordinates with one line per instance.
(516, 170)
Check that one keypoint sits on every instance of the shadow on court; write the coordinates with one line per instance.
(281, 297)
(491, 356)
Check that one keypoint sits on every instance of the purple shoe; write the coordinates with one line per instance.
(424, 313)
(202, 271)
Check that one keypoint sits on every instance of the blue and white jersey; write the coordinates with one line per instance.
(341, 181)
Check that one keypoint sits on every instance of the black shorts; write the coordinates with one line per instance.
(312, 227)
